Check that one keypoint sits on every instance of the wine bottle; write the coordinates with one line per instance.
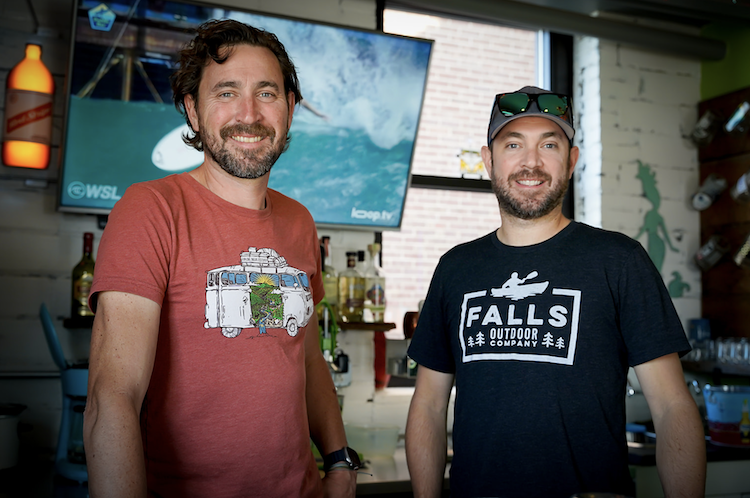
(707, 193)
(28, 112)
(705, 129)
(351, 290)
(374, 287)
(83, 276)
(739, 122)
(740, 191)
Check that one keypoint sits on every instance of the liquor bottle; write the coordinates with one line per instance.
(330, 278)
(374, 287)
(351, 290)
(745, 424)
(28, 112)
(740, 191)
(83, 276)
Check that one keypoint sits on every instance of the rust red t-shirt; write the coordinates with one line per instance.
(225, 411)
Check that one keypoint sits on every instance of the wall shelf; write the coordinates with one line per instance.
(367, 326)
(78, 322)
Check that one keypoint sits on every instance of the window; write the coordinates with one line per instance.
(471, 62)
(288, 280)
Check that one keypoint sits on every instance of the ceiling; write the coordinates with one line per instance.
(694, 13)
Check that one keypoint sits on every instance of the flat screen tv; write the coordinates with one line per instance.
(353, 137)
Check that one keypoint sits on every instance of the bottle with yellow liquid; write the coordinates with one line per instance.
(351, 290)
(82, 278)
(745, 424)
(27, 129)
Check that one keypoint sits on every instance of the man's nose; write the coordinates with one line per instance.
(533, 157)
(248, 110)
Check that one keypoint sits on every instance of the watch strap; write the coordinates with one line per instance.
(345, 454)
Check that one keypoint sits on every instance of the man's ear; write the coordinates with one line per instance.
(291, 102)
(574, 154)
(487, 159)
(192, 113)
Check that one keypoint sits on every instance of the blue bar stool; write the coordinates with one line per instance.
(70, 460)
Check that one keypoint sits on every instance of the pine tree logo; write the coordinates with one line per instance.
(548, 340)
(480, 339)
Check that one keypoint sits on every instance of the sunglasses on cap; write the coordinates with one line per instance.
(511, 106)
(555, 104)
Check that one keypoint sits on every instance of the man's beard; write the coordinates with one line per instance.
(529, 208)
(243, 163)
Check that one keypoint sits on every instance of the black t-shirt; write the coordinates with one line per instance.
(540, 339)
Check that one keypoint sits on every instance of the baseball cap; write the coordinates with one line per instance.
(531, 101)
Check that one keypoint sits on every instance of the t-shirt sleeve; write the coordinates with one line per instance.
(430, 345)
(135, 249)
(649, 322)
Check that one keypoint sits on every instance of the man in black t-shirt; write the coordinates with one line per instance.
(538, 323)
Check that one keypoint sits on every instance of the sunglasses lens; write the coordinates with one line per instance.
(553, 104)
(511, 104)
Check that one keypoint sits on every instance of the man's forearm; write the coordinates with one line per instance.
(114, 451)
(426, 451)
(324, 414)
(681, 453)
(326, 426)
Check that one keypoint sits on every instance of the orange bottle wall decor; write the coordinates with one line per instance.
(27, 129)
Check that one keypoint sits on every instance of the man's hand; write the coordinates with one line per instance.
(340, 483)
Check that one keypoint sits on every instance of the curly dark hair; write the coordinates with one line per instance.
(211, 37)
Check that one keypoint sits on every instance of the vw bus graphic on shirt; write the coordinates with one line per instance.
(263, 291)
(521, 320)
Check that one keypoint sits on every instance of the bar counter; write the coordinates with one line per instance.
(390, 475)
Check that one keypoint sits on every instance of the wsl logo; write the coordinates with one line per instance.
(80, 190)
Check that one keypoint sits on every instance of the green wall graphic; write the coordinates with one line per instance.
(656, 229)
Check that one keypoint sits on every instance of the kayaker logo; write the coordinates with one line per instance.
(521, 320)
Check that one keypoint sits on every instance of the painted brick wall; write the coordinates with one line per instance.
(633, 106)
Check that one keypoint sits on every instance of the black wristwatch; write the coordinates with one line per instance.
(345, 455)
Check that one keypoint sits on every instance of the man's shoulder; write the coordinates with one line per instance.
(167, 186)
(597, 238)
(287, 205)
(469, 249)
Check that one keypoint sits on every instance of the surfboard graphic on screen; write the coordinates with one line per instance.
(171, 153)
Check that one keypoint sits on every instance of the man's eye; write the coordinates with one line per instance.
(225, 94)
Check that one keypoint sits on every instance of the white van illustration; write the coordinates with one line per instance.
(263, 291)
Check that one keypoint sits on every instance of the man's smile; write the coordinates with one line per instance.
(240, 138)
(530, 183)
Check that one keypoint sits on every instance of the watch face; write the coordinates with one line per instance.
(354, 457)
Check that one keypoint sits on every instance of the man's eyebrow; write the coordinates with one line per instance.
(225, 84)
(236, 84)
(267, 84)
(547, 134)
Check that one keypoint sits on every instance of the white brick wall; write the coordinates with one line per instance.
(638, 105)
